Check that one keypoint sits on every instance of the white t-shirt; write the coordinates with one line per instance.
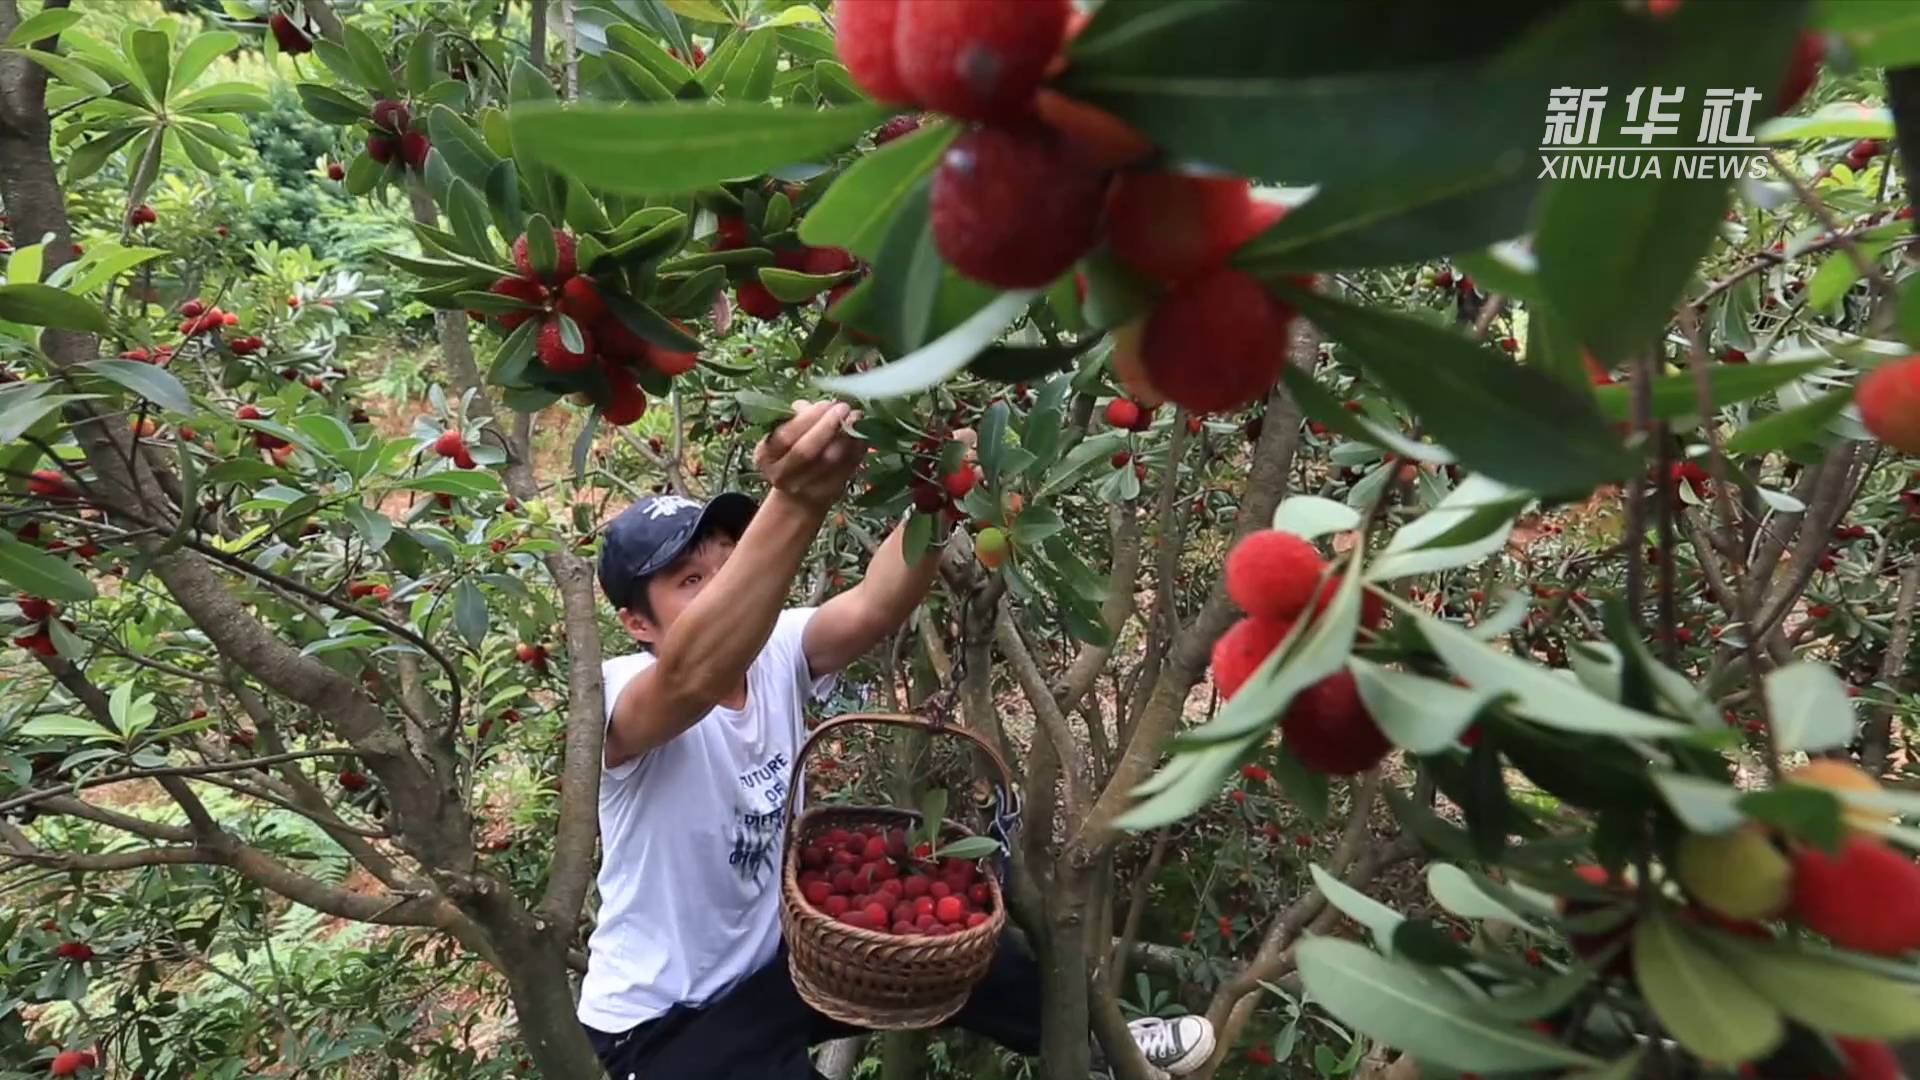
(690, 837)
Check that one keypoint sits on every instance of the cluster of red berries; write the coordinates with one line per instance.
(1863, 152)
(1275, 577)
(279, 448)
(934, 492)
(1022, 196)
(534, 656)
(38, 613)
(292, 39)
(753, 297)
(377, 590)
(567, 293)
(392, 122)
(159, 355)
(77, 951)
(352, 779)
(198, 318)
(142, 215)
(867, 878)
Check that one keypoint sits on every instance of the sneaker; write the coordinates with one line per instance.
(1179, 1045)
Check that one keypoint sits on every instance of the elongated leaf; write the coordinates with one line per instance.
(156, 384)
(44, 305)
(71, 72)
(67, 727)
(37, 573)
(470, 613)
(1404, 1007)
(1678, 395)
(1699, 999)
(330, 106)
(854, 212)
(1791, 427)
(1824, 994)
(1515, 424)
(1456, 890)
(668, 149)
(1472, 522)
(1422, 715)
(938, 359)
(1311, 516)
(151, 52)
(1379, 919)
(45, 24)
(1810, 707)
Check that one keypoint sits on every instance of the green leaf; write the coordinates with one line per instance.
(855, 211)
(156, 384)
(330, 106)
(1311, 516)
(1701, 1001)
(373, 526)
(468, 215)
(1382, 219)
(668, 149)
(466, 153)
(44, 305)
(1701, 805)
(470, 613)
(750, 76)
(650, 325)
(1379, 919)
(1421, 715)
(1810, 707)
(972, 847)
(151, 52)
(939, 358)
(67, 727)
(1615, 254)
(370, 62)
(72, 72)
(1678, 395)
(1537, 693)
(1515, 424)
(1841, 120)
(1460, 893)
(1800, 811)
(46, 24)
(1471, 523)
(460, 483)
(1792, 427)
(419, 65)
(1432, 1020)
(1822, 994)
(794, 287)
(37, 573)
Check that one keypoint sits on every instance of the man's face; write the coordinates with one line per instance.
(672, 589)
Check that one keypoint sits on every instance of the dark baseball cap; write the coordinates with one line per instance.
(650, 534)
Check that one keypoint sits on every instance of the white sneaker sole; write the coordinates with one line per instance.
(1196, 1055)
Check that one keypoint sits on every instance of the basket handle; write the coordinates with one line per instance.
(1006, 813)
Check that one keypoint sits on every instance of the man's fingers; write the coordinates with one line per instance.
(787, 435)
(825, 429)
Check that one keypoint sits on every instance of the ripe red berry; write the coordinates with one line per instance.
(959, 482)
(580, 298)
(1120, 459)
(70, 1062)
(413, 149)
(817, 893)
(895, 128)
(1867, 1059)
(626, 402)
(758, 301)
(450, 444)
(978, 59)
(352, 780)
(52, 483)
(1172, 226)
(949, 909)
(914, 887)
(1123, 414)
(978, 918)
(877, 913)
(35, 608)
(1014, 207)
(1866, 896)
(564, 264)
(291, 39)
(826, 260)
(1242, 648)
(1273, 574)
(550, 346)
(381, 148)
(863, 36)
(77, 951)
(1889, 401)
(336, 171)
(391, 115)
(730, 231)
(1328, 728)
(939, 891)
(980, 895)
(1216, 342)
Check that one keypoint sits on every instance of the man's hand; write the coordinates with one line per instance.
(810, 458)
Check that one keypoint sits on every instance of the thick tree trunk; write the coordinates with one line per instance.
(534, 960)
(1065, 1052)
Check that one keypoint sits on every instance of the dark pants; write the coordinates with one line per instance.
(761, 1029)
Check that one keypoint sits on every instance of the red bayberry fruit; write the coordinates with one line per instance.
(1242, 648)
(413, 149)
(554, 353)
(564, 263)
(391, 115)
(978, 59)
(1867, 1059)
(895, 128)
(1329, 729)
(292, 40)
(613, 339)
(70, 1062)
(950, 909)
(352, 780)
(1273, 574)
(1802, 68)
(1216, 342)
(381, 147)
(336, 171)
(626, 402)
(1866, 896)
(50, 484)
(77, 951)
(1014, 207)
(863, 36)
(35, 608)
(1124, 414)
(671, 362)
(1889, 401)
(730, 231)
(958, 482)
(1172, 226)
(758, 301)
(580, 298)
(450, 444)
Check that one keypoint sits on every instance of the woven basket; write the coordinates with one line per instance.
(865, 977)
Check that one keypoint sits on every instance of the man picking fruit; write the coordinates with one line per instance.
(687, 977)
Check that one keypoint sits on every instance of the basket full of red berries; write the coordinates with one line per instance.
(889, 917)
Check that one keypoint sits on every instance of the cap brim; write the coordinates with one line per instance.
(728, 511)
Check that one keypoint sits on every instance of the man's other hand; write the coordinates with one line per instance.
(810, 458)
